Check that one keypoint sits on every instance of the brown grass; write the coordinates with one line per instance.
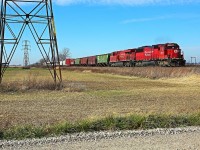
(87, 94)
(144, 72)
(24, 80)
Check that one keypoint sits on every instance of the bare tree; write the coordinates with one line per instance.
(64, 54)
(43, 61)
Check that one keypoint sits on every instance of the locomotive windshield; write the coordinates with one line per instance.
(172, 46)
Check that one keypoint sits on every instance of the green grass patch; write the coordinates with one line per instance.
(111, 123)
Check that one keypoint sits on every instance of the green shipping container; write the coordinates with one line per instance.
(103, 59)
(77, 61)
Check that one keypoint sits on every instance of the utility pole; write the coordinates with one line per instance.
(26, 47)
(195, 60)
(37, 17)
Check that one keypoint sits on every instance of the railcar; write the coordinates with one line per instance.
(62, 63)
(77, 62)
(84, 61)
(92, 61)
(103, 60)
(70, 62)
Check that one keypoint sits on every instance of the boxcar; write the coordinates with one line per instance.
(84, 61)
(72, 62)
(62, 63)
(103, 60)
(69, 62)
(92, 60)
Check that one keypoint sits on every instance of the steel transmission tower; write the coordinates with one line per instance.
(26, 47)
(18, 16)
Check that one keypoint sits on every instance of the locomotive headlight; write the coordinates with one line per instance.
(176, 51)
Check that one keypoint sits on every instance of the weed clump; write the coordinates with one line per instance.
(29, 85)
(112, 123)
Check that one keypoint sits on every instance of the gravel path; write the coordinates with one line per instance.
(178, 139)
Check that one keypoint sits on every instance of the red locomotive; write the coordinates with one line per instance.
(168, 54)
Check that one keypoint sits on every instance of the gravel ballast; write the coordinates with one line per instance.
(104, 139)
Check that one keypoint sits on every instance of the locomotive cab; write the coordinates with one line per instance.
(173, 51)
(174, 54)
(168, 54)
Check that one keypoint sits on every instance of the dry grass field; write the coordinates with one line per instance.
(96, 93)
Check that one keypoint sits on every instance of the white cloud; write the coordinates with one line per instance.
(145, 19)
(170, 16)
(125, 2)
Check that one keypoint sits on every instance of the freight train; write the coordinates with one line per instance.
(168, 54)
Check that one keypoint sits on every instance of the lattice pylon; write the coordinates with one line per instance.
(26, 47)
(36, 16)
